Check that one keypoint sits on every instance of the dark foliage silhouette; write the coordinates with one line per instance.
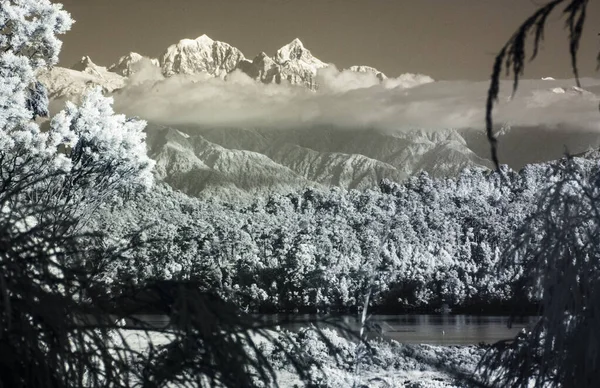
(60, 328)
(556, 248)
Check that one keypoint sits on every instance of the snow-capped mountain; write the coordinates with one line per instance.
(86, 65)
(262, 68)
(72, 83)
(292, 63)
(368, 69)
(129, 64)
(201, 55)
(297, 65)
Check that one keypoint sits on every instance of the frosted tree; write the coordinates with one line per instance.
(109, 153)
(98, 150)
(28, 42)
(37, 101)
(30, 29)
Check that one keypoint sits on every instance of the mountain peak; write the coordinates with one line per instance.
(201, 41)
(296, 42)
(205, 39)
(134, 56)
(263, 60)
(201, 55)
(294, 50)
(130, 64)
(368, 69)
(84, 63)
(298, 65)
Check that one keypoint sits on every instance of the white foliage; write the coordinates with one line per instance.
(106, 139)
(28, 41)
(15, 76)
(18, 132)
(30, 28)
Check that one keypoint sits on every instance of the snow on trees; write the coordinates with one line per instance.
(109, 152)
(319, 250)
(28, 42)
(30, 29)
(96, 149)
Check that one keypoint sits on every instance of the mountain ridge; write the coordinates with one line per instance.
(304, 157)
(292, 63)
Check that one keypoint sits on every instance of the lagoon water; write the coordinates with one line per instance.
(434, 329)
(438, 329)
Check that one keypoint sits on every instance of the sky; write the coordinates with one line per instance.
(445, 39)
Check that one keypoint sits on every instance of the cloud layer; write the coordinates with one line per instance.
(354, 100)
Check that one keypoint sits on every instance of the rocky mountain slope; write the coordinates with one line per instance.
(232, 161)
(198, 167)
(297, 65)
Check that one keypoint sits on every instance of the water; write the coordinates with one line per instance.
(439, 329)
(155, 321)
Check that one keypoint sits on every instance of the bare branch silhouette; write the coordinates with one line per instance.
(512, 55)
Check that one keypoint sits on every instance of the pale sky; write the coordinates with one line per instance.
(446, 39)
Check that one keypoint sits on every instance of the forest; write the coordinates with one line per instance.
(419, 244)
